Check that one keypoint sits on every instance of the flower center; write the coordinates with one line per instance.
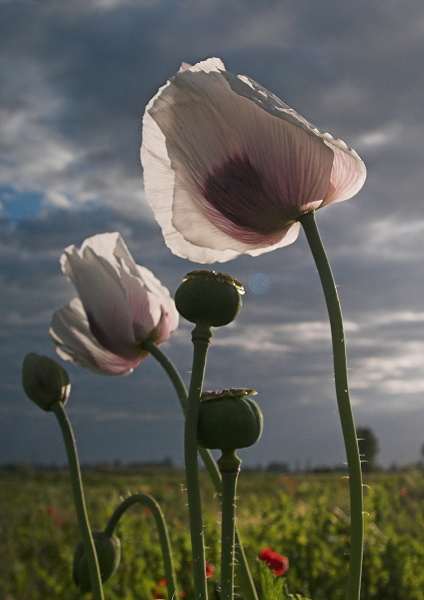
(244, 196)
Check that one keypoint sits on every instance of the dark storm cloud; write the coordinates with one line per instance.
(75, 80)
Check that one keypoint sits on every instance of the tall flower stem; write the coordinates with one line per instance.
(79, 500)
(150, 502)
(201, 337)
(345, 411)
(171, 370)
(229, 465)
(209, 462)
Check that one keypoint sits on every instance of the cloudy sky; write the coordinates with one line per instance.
(75, 78)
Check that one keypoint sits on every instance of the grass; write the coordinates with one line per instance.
(303, 516)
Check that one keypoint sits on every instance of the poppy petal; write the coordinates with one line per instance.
(229, 168)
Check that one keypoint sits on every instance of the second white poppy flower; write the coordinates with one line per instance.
(120, 306)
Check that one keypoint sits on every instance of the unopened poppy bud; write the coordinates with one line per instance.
(44, 381)
(209, 298)
(229, 420)
(108, 554)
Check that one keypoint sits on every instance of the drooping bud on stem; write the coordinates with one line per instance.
(45, 381)
(108, 549)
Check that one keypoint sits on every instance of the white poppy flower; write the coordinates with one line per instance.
(120, 306)
(229, 168)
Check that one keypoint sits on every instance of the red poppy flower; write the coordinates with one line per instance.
(160, 590)
(210, 569)
(276, 562)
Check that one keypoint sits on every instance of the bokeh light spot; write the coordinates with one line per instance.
(259, 283)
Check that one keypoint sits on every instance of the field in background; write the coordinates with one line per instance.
(304, 517)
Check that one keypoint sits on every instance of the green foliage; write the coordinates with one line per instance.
(274, 588)
(304, 517)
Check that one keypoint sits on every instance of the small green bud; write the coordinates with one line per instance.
(108, 554)
(210, 298)
(44, 381)
(229, 420)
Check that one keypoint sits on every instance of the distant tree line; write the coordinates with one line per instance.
(368, 445)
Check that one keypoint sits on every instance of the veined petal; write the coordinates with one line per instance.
(229, 167)
(121, 305)
(260, 168)
(105, 303)
(348, 174)
(144, 307)
(207, 66)
(164, 328)
(159, 183)
(110, 246)
(163, 297)
(71, 333)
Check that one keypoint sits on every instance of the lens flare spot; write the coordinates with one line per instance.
(259, 283)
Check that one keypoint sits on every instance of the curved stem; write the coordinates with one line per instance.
(209, 462)
(343, 401)
(170, 370)
(229, 465)
(182, 394)
(150, 502)
(79, 500)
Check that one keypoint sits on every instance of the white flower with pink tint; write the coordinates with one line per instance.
(229, 168)
(120, 306)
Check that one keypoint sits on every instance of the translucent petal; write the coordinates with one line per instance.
(144, 307)
(229, 168)
(169, 317)
(71, 333)
(176, 172)
(348, 174)
(105, 303)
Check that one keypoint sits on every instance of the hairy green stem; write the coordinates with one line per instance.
(210, 464)
(79, 500)
(344, 405)
(170, 369)
(150, 502)
(201, 336)
(229, 465)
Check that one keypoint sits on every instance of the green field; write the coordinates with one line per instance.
(304, 517)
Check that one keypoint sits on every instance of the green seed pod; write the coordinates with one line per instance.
(44, 381)
(229, 420)
(209, 298)
(108, 554)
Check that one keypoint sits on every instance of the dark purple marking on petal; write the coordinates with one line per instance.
(97, 331)
(241, 194)
(114, 345)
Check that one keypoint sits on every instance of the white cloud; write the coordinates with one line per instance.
(75, 81)
(396, 240)
(346, 94)
(265, 27)
(403, 386)
(399, 371)
(390, 318)
(388, 134)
